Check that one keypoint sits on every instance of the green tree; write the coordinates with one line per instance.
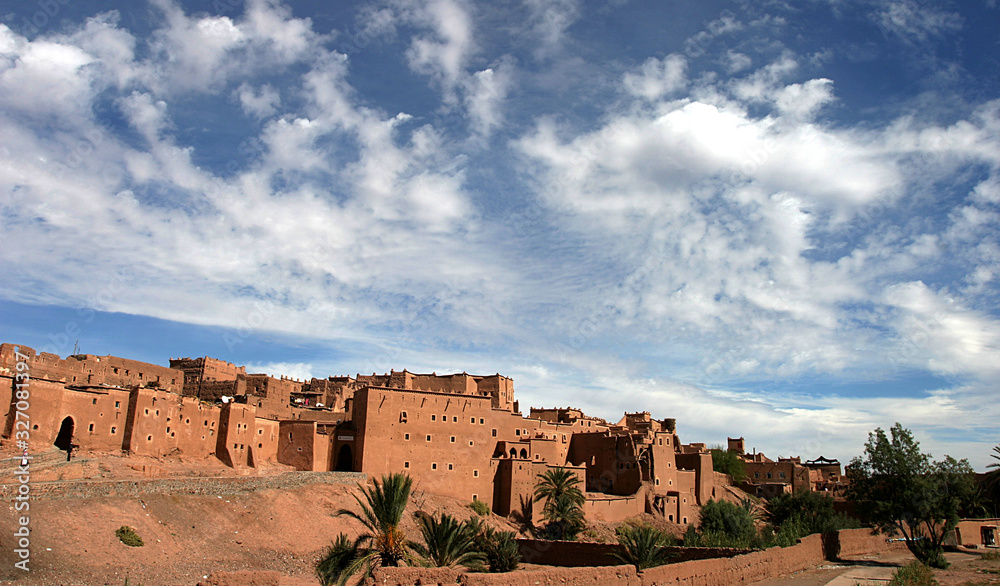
(726, 524)
(384, 543)
(992, 483)
(899, 489)
(809, 512)
(563, 509)
(449, 543)
(729, 463)
(644, 546)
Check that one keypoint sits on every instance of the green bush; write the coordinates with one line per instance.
(913, 574)
(727, 521)
(804, 513)
(729, 463)
(128, 536)
(482, 509)
(502, 551)
(643, 546)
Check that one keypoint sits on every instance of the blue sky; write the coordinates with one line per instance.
(768, 219)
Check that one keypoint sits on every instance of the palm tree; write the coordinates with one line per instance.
(643, 547)
(384, 544)
(337, 558)
(992, 484)
(993, 478)
(448, 542)
(564, 501)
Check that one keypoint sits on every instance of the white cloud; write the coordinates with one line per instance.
(658, 77)
(302, 371)
(551, 19)
(259, 103)
(485, 97)
(444, 54)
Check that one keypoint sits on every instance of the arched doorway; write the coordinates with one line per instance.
(345, 460)
(64, 441)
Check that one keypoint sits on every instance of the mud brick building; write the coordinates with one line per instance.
(460, 435)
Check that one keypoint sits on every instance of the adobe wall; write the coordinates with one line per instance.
(160, 423)
(297, 443)
(443, 441)
(580, 554)
(610, 508)
(265, 433)
(87, 369)
(234, 445)
(618, 575)
(727, 569)
(610, 461)
(98, 417)
(969, 531)
(461, 384)
(514, 483)
(44, 407)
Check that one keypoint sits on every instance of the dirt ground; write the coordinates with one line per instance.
(187, 537)
(968, 568)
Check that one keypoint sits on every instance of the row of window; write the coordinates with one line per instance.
(444, 418)
(434, 466)
(780, 475)
(451, 439)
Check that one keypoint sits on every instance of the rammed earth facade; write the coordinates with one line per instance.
(459, 435)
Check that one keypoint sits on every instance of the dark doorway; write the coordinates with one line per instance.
(64, 441)
(345, 460)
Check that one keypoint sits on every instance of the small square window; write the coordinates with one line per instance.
(494, 433)
(470, 442)
(118, 404)
(428, 438)
(91, 428)
(452, 439)
(475, 473)
(406, 464)
(406, 436)
(434, 466)
(113, 430)
(434, 417)
(517, 432)
(451, 466)
(472, 420)
(454, 419)
(481, 421)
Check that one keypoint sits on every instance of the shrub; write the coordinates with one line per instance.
(643, 546)
(807, 512)
(501, 549)
(729, 463)
(728, 520)
(913, 574)
(449, 543)
(128, 536)
(482, 509)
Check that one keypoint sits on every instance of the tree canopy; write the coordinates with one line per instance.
(729, 463)
(900, 490)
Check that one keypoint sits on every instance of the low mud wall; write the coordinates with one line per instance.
(578, 554)
(741, 568)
